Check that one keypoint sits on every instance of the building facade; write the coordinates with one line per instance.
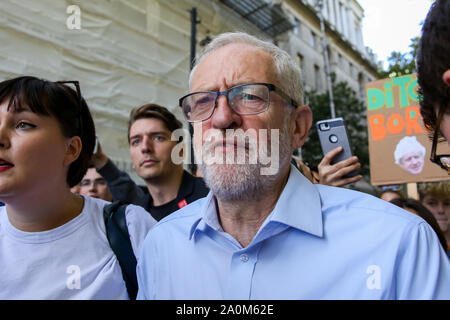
(349, 59)
(126, 53)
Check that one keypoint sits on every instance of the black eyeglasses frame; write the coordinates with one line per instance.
(433, 156)
(78, 91)
(217, 94)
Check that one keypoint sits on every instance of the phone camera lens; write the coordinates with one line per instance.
(333, 138)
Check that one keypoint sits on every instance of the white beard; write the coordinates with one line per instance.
(241, 181)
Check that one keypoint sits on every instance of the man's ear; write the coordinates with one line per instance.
(301, 121)
(182, 149)
(73, 150)
(446, 77)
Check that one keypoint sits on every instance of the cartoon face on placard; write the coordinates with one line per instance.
(399, 145)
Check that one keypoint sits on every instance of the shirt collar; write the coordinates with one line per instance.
(298, 206)
(208, 216)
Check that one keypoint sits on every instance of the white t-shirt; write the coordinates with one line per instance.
(73, 261)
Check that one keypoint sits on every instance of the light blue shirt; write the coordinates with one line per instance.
(319, 242)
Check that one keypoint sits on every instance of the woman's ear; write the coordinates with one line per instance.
(73, 150)
(300, 125)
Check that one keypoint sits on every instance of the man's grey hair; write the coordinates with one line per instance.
(288, 72)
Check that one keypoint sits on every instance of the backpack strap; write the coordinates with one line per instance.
(119, 240)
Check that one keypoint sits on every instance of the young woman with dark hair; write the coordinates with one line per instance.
(53, 243)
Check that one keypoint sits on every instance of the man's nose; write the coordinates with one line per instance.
(146, 145)
(224, 116)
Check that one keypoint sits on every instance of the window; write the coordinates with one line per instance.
(313, 40)
(340, 62)
(300, 60)
(330, 55)
(350, 69)
(361, 83)
(327, 9)
(301, 64)
(356, 33)
(296, 27)
(317, 80)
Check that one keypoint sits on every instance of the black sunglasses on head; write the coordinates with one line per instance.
(78, 91)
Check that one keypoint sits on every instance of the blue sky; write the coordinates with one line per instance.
(388, 25)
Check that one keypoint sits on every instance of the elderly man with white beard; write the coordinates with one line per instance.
(264, 231)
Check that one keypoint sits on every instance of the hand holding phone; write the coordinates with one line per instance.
(339, 164)
(336, 174)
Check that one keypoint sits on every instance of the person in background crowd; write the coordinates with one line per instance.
(436, 198)
(168, 186)
(258, 230)
(75, 189)
(388, 193)
(416, 207)
(433, 76)
(53, 243)
(94, 185)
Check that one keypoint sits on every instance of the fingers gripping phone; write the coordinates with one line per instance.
(332, 134)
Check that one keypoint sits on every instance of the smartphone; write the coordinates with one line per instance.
(332, 134)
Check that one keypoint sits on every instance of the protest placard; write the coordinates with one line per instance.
(399, 144)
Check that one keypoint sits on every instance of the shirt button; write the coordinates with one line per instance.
(244, 257)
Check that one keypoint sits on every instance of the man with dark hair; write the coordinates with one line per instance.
(94, 185)
(168, 186)
(433, 68)
(389, 193)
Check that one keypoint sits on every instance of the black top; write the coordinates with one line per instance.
(191, 189)
(123, 188)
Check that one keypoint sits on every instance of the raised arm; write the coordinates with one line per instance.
(120, 184)
(333, 174)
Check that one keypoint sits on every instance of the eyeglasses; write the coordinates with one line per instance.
(78, 91)
(442, 160)
(244, 99)
(96, 182)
